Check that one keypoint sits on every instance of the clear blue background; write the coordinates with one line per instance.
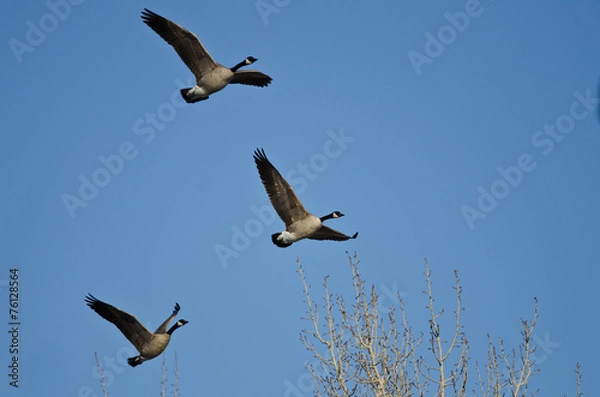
(422, 146)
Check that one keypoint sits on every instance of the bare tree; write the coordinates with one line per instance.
(578, 374)
(361, 352)
(163, 380)
(517, 366)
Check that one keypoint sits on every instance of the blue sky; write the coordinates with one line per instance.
(477, 149)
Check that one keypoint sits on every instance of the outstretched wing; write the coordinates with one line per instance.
(133, 330)
(251, 77)
(163, 326)
(282, 196)
(188, 46)
(326, 233)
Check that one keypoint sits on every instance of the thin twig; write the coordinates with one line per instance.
(102, 379)
(176, 382)
(163, 380)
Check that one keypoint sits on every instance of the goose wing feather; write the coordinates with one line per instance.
(163, 327)
(282, 196)
(251, 77)
(327, 233)
(188, 46)
(133, 330)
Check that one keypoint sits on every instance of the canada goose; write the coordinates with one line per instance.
(210, 76)
(148, 344)
(299, 223)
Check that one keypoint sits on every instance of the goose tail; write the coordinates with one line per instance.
(184, 95)
(134, 361)
(278, 242)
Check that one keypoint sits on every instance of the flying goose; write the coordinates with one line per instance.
(210, 76)
(148, 344)
(299, 223)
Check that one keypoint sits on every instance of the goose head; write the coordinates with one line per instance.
(179, 323)
(248, 61)
(334, 214)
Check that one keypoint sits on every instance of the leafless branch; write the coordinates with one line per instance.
(163, 379)
(102, 379)
(176, 382)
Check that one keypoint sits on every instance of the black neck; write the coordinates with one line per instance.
(239, 65)
(324, 218)
(173, 328)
